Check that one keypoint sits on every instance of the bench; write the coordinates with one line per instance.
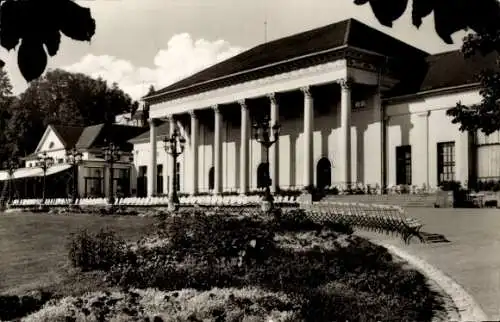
(382, 218)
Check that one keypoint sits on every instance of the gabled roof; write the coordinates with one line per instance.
(95, 136)
(337, 36)
(161, 131)
(69, 135)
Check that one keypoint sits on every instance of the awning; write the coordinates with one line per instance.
(27, 172)
(4, 175)
(56, 169)
(34, 172)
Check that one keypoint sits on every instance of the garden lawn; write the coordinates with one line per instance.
(33, 249)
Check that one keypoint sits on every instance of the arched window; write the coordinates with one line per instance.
(211, 178)
(262, 175)
(323, 173)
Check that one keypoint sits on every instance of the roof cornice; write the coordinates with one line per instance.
(442, 90)
(155, 98)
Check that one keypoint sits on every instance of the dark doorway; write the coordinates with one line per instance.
(323, 173)
(263, 175)
(211, 179)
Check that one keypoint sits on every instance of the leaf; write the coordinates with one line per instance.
(31, 59)
(388, 11)
(52, 39)
(76, 21)
(10, 32)
(421, 9)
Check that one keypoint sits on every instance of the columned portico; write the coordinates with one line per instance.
(217, 150)
(244, 147)
(308, 136)
(344, 160)
(194, 152)
(151, 170)
(274, 149)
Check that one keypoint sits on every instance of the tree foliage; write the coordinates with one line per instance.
(63, 98)
(450, 16)
(35, 27)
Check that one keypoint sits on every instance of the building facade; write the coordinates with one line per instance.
(355, 107)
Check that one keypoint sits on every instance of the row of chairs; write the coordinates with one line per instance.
(387, 218)
(231, 201)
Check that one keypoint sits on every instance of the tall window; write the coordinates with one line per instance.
(159, 179)
(142, 181)
(445, 161)
(211, 181)
(403, 165)
(178, 176)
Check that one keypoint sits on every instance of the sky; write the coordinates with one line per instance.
(139, 43)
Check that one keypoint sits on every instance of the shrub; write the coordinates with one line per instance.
(14, 307)
(100, 251)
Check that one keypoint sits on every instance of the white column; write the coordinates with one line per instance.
(244, 137)
(170, 162)
(376, 165)
(344, 160)
(194, 152)
(217, 150)
(308, 136)
(153, 124)
(462, 157)
(423, 153)
(274, 150)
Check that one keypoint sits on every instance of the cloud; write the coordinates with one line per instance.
(182, 57)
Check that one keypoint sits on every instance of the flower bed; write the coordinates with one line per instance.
(281, 267)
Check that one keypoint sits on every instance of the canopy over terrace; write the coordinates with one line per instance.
(33, 172)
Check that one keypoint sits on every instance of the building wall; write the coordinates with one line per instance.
(420, 122)
(423, 123)
(365, 148)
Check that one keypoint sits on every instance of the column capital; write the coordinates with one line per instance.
(272, 98)
(192, 113)
(215, 108)
(243, 103)
(345, 83)
(306, 90)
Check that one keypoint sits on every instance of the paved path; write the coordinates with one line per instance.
(471, 258)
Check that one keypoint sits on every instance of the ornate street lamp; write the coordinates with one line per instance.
(174, 145)
(262, 134)
(11, 166)
(111, 155)
(44, 162)
(74, 158)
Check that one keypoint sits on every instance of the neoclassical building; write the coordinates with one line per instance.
(354, 104)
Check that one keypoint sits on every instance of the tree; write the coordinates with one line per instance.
(6, 102)
(36, 26)
(450, 16)
(63, 98)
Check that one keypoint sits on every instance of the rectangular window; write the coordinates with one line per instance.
(445, 161)
(159, 179)
(403, 165)
(178, 176)
(143, 171)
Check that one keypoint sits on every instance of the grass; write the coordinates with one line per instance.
(33, 246)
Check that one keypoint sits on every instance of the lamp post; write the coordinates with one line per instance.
(11, 167)
(262, 134)
(74, 158)
(174, 145)
(44, 162)
(111, 155)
